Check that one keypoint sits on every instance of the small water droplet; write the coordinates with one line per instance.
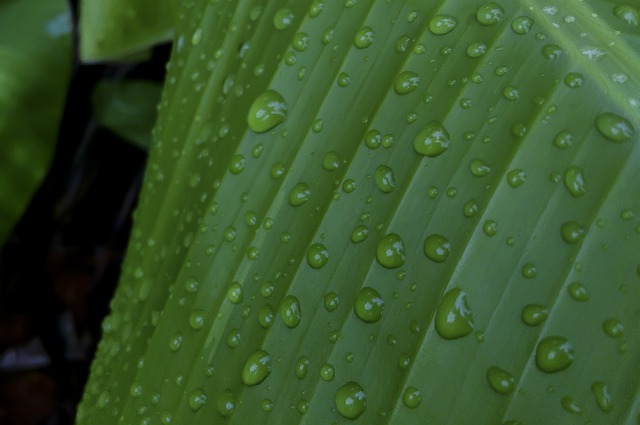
(235, 293)
(226, 403)
(516, 177)
(351, 400)
(522, 25)
(570, 405)
(411, 397)
(390, 251)
(175, 343)
(500, 380)
(331, 161)
(302, 367)
(613, 327)
(554, 354)
(551, 51)
(572, 232)
(602, 395)
(453, 317)
(196, 319)
(266, 405)
(529, 271)
(283, 18)
(437, 248)
(368, 305)
(406, 82)
(331, 301)
(432, 140)
(299, 194)
(327, 373)
(534, 314)
(490, 228)
(359, 234)
(265, 316)
(317, 255)
(290, 311)
(476, 49)
(197, 398)
(578, 292)
(471, 208)
(628, 13)
(573, 80)
(479, 168)
(364, 38)
(563, 140)
(267, 111)
(614, 127)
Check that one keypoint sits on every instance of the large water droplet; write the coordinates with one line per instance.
(500, 380)
(453, 317)
(574, 181)
(490, 14)
(368, 305)
(299, 194)
(267, 111)
(390, 252)
(437, 248)
(614, 127)
(554, 354)
(351, 400)
(432, 140)
(290, 312)
(442, 24)
(317, 255)
(385, 179)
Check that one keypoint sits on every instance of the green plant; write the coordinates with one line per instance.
(430, 205)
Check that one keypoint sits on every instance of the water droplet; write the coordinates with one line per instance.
(191, 285)
(578, 292)
(574, 181)
(614, 127)
(235, 293)
(373, 139)
(267, 111)
(437, 248)
(573, 80)
(522, 25)
(390, 252)
(613, 327)
(299, 195)
(317, 255)
(175, 343)
(470, 208)
(166, 418)
(364, 38)
(406, 82)
(226, 403)
(196, 319)
(256, 368)
(572, 232)
(290, 312)
(233, 338)
(351, 400)
(237, 164)
(479, 168)
(500, 380)
(368, 305)
(266, 405)
(385, 179)
(516, 177)
(300, 41)
(551, 51)
(103, 399)
(490, 228)
(283, 18)
(442, 24)
(265, 316)
(490, 14)
(327, 373)
(628, 13)
(359, 234)
(534, 314)
(554, 354)
(411, 397)
(563, 140)
(316, 8)
(197, 399)
(603, 397)
(432, 140)
(453, 317)
(570, 405)
(302, 367)
(529, 271)
(476, 50)
(331, 161)
(344, 79)
(331, 301)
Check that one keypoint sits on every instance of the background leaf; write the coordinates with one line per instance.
(35, 66)
(528, 182)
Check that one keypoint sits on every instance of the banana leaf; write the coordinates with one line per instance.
(389, 212)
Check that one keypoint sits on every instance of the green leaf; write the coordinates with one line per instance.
(118, 29)
(128, 108)
(35, 67)
(422, 212)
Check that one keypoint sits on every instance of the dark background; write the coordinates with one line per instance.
(61, 264)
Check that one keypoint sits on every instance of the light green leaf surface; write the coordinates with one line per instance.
(443, 225)
(35, 67)
(128, 108)
(120, 29)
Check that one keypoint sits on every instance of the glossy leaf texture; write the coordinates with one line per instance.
(390, 212)
(118, 29)
(35, 68)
